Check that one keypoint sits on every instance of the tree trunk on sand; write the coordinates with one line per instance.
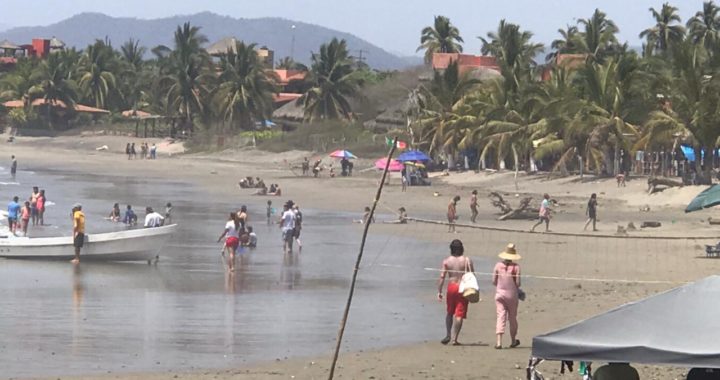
(654, 182)
(523, 211)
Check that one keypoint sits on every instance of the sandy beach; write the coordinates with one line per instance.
(569, 274)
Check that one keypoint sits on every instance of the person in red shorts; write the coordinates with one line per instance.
(453, 267)
(231, 233)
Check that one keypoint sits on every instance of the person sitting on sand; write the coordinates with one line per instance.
(115, 213)
(276, 192)
(130, 218)
(271, 191)
(366, 217)
(261, 191)
(252, 243)
(243, 183)
(402, 217)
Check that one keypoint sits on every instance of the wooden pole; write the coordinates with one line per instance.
(343, 322)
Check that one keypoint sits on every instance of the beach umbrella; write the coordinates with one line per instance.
(413, 155)
(342, 154)
(395, 165)
(708, 198)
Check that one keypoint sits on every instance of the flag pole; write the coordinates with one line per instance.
(343, 322)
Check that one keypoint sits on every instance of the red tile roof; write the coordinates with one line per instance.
(286, 76)
(466, 62)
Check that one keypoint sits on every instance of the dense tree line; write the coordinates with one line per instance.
(181, 81)
(614, 101)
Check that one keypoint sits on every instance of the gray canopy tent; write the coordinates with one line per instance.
(680, 327)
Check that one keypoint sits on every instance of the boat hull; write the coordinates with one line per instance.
(128, 245)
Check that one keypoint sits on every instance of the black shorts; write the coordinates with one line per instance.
(79, 240)
(296, 233)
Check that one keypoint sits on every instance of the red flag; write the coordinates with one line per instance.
(401, 144)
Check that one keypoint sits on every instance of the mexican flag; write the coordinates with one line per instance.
(400, 144)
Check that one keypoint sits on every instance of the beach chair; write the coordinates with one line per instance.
(712, 250)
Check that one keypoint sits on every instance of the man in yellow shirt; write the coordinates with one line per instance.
(78, 231)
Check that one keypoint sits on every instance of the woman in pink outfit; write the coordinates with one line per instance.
(506, 278)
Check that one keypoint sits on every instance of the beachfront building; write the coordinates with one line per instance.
(565, 61)
(221, 47)
(478, 66)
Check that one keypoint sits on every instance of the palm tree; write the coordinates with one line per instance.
(567, 44)
(695, 101)
(16, 84)
(664, 33)
(446, 117)
(54, 84)
(514, 51)
(332, 80)
(187, 69)
(442, 37)
(97, 79)
(246, 87)
(287, 63)
(704, 28)
(597, 38)
(132, 53)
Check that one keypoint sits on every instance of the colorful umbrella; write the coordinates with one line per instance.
(342, 154)
(413, 155)
(708, 198)
(395, 165)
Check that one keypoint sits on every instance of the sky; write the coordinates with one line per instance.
(394, 25)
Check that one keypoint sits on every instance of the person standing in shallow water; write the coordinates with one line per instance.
(452, 213)
(13, 166)
(78, 231)
(454, 267)
(591, 212)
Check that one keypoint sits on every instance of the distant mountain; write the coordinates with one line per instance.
(275, 33)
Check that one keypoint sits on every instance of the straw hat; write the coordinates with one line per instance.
(510, 253)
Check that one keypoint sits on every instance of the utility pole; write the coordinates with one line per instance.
(292, 43)
(360, 59)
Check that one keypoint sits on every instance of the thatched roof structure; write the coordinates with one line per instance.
(56, 43)
(222, 46)
(5, 44)
(290, 112)
(392, 117)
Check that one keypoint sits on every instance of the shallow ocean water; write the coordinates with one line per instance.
(186, 312)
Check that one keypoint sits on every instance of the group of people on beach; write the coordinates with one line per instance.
(30, 211)
(237, 233)
(152, 217)
(508, 293)
(149, 152)
(544, 212)
(262, 188)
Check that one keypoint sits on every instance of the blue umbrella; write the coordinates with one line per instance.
(413, 155)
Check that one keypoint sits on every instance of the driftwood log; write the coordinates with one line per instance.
(654, 182)
(523, 211)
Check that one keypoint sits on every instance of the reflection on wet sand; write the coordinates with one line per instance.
(290, 272)
(78, 291)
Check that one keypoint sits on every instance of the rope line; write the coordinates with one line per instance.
(539, 277)
(501, 229)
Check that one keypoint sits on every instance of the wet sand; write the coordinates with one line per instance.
(568, 277)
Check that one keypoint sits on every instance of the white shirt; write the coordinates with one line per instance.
(153, 219)
(231, 230)
(288, 220)
(253, 238)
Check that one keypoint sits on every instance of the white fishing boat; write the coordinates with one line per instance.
(126, 245)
